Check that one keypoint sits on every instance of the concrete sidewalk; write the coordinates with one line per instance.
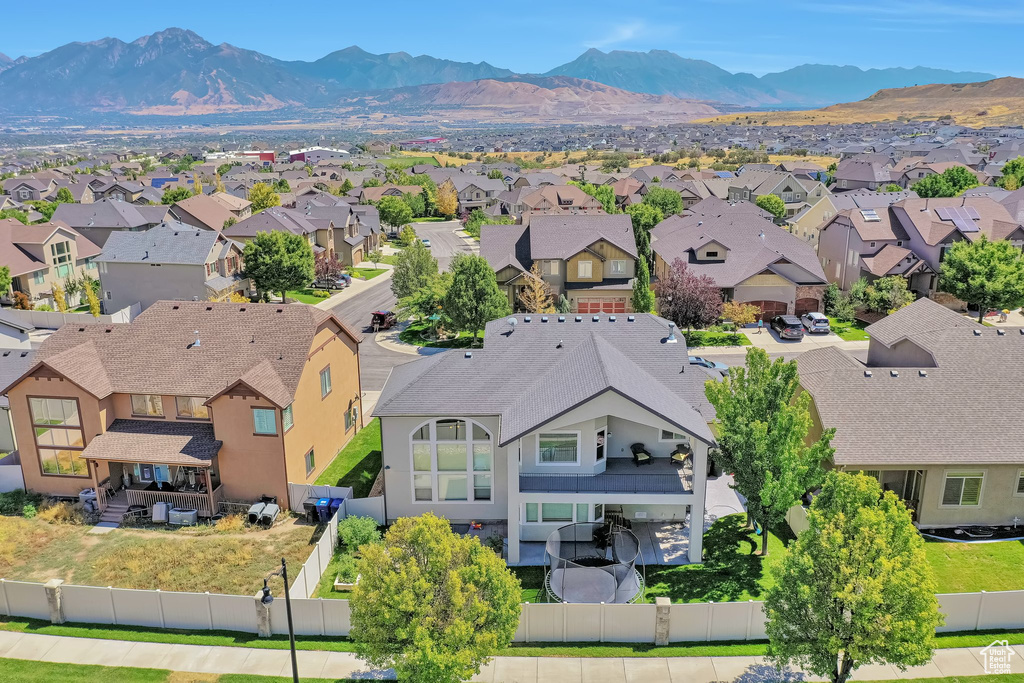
(334, 665)
(357, 287)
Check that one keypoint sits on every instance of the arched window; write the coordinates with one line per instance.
(452, 461)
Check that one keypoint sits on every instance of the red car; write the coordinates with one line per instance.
(383, 320)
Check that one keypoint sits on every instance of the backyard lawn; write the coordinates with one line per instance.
(305, 296)
(969, 567)
(197, 559)
(849, 331)
(358, 463)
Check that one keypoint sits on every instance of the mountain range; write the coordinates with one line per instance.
(176, 71)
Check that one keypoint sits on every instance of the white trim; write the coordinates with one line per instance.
(981, 489)
(1016, 484)
(579, 448)
(434, 473)
(540, 512)
(604, 456)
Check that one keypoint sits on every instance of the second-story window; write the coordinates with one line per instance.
(192, 407)
(57, 426)
(148, 405)
(325, 382)
(264, 421)
(61, 253)
(618, 267)
(585, 269)
(452, 460)
(287, 418)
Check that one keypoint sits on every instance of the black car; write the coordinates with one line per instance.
(788, 326)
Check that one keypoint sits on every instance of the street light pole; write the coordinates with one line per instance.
(267, 599)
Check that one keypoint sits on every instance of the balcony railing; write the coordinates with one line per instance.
(180, 499)
(608, 482)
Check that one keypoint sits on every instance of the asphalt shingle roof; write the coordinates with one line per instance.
(177, 443)
(166, 243)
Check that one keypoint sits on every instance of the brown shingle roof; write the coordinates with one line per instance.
(175, 443)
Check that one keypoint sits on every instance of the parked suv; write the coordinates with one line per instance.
(815, 323)
(788, 326)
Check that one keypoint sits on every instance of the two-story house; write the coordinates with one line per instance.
(240, 208)
(192, 403)
(170, 261)
(319, 232)
(796, 192)
(202, 211)
(29, 189)
(930, 414)
(98, 220)
(44, 256)
(475, 192)
(537, 430)
(590, 259)
(523, 201)
(749, 257)
(119, 190)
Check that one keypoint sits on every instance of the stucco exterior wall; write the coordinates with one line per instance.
(123, 284)
(250, 464)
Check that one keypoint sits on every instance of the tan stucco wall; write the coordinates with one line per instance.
(600, 269)
(250, 465)
(702, 253)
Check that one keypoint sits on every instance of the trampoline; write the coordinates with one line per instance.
(593, 562)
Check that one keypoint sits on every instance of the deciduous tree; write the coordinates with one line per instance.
(740, 313)
(414, 268)
(326, 267)
(428, 299)
(950, 183)
(64, 196)
(277, 261)
(431, 604)
(773, 204)
(667, 201)
(474, 296)
(535, 296)
(644, 218)
(987, 274)
(263, 197)
(762, 428)
(5, 279)
(172, 195)
(394, 212)
(687, 299)
(855, 588)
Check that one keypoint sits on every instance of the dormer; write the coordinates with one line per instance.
(711, 251)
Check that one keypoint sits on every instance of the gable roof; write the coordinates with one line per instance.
(169, 243)
(266, 344)
(562, 236)
(14, 236)
(541, 370)
(922, 216)
(276, 218)
(205, 209)
(109, 213)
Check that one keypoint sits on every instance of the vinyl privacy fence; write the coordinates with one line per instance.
(539, 622)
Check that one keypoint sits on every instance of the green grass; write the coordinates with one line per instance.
(25, 671)
(305, 296)
(358, 462)
(532, 579)
(84, 308)
(366, 273)
(696, 338)
(407, 161)
(430, 219)
(413, 334)
(969, 567)
(390, 259)
(849, 331)
(325, 589)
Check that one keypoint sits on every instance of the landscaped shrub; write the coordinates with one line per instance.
(14, 502)
(28, 511)
(358, 531)
(348, 568)
(322, 293)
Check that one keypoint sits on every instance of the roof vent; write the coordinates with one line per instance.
(867, 373)
(280, 310)
(611, 318)
(469, 354)
(242, 309)
(894, 373)
(526, 319)
(922, 373)
(175, 307)
(561, 318)
(977, 333)
(579, 319)
(6, 353)
(596, 318)
(1001, 333)
(543, 318)
(81, 329)
(671, 334)
(559, 345)
(209, 308)
(630, 318)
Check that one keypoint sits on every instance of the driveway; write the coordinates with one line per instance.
(444, 243)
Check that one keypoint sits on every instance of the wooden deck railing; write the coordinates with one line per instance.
(178, 499)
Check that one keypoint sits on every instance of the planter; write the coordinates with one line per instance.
(340, 585)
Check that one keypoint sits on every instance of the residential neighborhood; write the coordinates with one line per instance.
(605, 346)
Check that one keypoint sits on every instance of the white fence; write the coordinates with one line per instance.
(308, 578)
(10, 472)
(298, 494)
(51, 320)
(796, 517)
(692, 622)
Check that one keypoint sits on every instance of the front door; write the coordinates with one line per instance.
(600, 445)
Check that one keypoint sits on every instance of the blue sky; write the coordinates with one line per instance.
(531, 36)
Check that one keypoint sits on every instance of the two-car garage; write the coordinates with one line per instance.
(604, 304)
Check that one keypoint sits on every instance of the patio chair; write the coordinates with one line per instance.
(682, 457)
(641, 456)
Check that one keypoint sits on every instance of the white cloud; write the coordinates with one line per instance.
(621, 33)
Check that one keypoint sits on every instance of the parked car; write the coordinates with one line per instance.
(788, 326)
(709, 364)
(382, 320)
(426, 242)
(815, 323)
(340, 282)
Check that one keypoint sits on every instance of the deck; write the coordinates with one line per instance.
(620, 476)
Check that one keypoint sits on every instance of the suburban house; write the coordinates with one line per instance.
(796, 192)
(13, 364)
(98, 220)
(319, 232)
(120, 190)
(547, 199)
(752, 259)
(927, 416)
(357, 229)
(375, 194)
(471, 437)
(29, 189)
(170, 261)
(474, 192)
(202, 211)
(808, 223)
(44, 256)
(591, 259)
(192, 403)
(909, 238)
(240, 208)
(855, 174)
(910, 171)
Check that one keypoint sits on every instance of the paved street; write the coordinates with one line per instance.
(444, 243)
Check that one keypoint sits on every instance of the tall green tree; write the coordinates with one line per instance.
(889, 187)
(950, 183)
(667, 201)
(987, 274)
(64, 196)
(431, 604)
(173, 195)
(602, 193)
(394, 212)
(414, 268)
(773, 204)
(428, 300)
(855, 588)
(762, 428)
(263, 197)
(642, 298)
(277, 261)
(1013, 174)
(5, 279)
(474, 297)
(644, 217)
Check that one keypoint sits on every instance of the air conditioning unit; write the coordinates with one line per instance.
(183, 517)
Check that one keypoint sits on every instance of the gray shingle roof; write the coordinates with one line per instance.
(563, 236)
(543, 369)
(108, 213)
(175, 243)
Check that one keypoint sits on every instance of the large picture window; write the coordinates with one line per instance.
(559, 448)
(57, 427)
(562, 513)
(962, 489)
(452, 461)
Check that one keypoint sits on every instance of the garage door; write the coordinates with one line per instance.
(807, 305)
(769, 309)
(607, 305)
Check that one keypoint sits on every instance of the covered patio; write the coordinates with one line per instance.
(157, 462)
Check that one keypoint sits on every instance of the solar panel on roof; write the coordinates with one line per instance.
(870, 215)
(972, 213)
(962, 217)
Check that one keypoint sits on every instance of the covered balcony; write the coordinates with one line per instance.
(621, 475)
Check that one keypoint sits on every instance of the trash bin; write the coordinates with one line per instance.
(323, 509)
(335, 504)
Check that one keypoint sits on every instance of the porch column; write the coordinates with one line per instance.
(209, 491)
(101, 499)
(696, 550)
